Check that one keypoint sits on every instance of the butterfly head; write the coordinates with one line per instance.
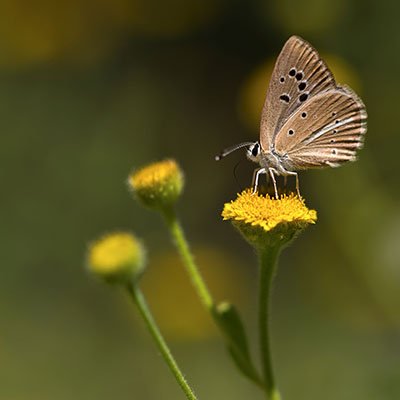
(254, 152)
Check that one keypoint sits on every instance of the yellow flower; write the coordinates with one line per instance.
(158, 185)
(117, 257)
(264, 220)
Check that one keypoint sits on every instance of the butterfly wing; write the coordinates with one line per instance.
(325, 131)
(299, 74)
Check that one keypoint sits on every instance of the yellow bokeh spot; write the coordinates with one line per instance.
(173, 300)
(118, 255)
(267, 212)
(64, 31)
(252, 94)
(85, 31)
(343, 72)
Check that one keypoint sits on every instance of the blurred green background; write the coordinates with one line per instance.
(90, 90)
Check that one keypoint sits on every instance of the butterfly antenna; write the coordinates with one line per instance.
(229, 150)
(235, 175)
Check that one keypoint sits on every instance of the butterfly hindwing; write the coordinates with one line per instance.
(325, 131)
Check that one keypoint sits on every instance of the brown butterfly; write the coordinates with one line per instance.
(308, 120)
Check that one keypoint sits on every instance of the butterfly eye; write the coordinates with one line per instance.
(255, 150)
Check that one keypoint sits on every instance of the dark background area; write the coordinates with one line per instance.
(90, 90)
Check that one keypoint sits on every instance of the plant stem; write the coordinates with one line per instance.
(268, 259)
(239, 351)
(183, 248)
(138, 298)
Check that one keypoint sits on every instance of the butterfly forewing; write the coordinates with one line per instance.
(299, 74)
(325, 131)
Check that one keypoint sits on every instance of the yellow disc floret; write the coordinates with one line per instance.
(263, 219)
(117, 257)
(157, 185)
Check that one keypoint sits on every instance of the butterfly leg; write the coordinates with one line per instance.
(256, 177)
(297, 182)
(271, 172)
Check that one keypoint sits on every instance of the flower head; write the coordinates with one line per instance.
(157, 185)
(117, 257)
(264, 220)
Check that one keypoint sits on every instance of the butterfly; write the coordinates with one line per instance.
(308, 120)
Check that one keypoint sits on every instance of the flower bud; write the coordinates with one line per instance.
(117, 258)
(158, 185)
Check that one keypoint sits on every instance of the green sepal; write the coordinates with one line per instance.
(230, 323)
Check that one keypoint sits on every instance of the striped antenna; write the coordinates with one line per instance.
(230, 150)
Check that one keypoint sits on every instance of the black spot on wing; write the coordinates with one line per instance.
(302, 85)
(303, 97)
(285, 98)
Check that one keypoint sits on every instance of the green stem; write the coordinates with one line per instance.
(268, 260)
(183, 248)
(240, 354)
(138, 298)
